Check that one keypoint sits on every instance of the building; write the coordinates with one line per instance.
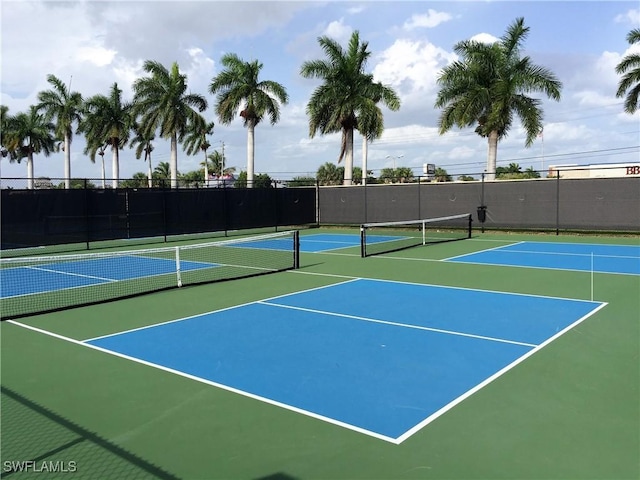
(602, 170)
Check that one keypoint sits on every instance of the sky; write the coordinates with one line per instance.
(90, 45)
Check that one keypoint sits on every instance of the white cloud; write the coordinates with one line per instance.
(97, 55)
(631, 17)
(411, 67)
(484, 38)
(338, 31)
(430, 19)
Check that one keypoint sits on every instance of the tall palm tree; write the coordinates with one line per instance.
(196, 140)
(142, 142)
(238, 87)
(65, 108)
(348, 98)
(629, 68)
(108, 121)
(28, 134)
(489, 85)
(164, 104)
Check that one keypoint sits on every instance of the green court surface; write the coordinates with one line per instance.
(569, 411)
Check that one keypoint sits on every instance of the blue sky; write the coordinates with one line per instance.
(92, 44)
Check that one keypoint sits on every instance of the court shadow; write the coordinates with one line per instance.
(33, 437)
(277, 476)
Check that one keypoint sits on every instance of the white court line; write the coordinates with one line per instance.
(543, 268)
(482, 251)
(212, 311)
(214, 384)
(71, 274)
(299, 272)
(396, 324)
(563, 254)
(493, 377)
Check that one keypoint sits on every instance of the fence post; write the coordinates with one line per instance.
(558, 202)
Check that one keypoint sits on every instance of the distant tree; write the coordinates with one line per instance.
(196, 141)
(138, 180)
(488, 87)
(26, 135)
(238, 88)
(4, 128)
(330, 174)
(64, 108)
(348, 97)
(164, 104)
(261, 180)
(357, 175)
(531, 173)
(192, 179)
(162, 172)
(466, 178)
(108, 121)
(441, 175)
(629, 68)
(302, 182)
(218, 165)
(142, 141)
(397, 175)
(77, 183)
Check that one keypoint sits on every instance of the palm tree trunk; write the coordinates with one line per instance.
(67, 161)
(150, 174)
(30, 170)
(365, 153)
(492, 155)
(173, 166)
(206, 170)
(104, 180)
(250, 151)
(115, 166)
(348, 160)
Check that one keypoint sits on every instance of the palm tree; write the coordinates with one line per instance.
(107, 121)
(441, 175)
(330, 174)
(216, 161)
(629, 67)
(238, 87)
(162, 172)
(142, 142)
(489, 84)
(371, 125)
(348, 98)
(5, 143)
(196, 140)
(28, 134)
(163, 102)
(65, 107)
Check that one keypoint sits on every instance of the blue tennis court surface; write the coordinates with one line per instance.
(621, 259)
(381, 358)
(62, 275)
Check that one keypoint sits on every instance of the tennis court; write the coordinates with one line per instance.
(621, 259)
(498, 356)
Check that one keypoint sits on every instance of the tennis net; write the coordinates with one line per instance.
(385, 237)
(43, 284)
